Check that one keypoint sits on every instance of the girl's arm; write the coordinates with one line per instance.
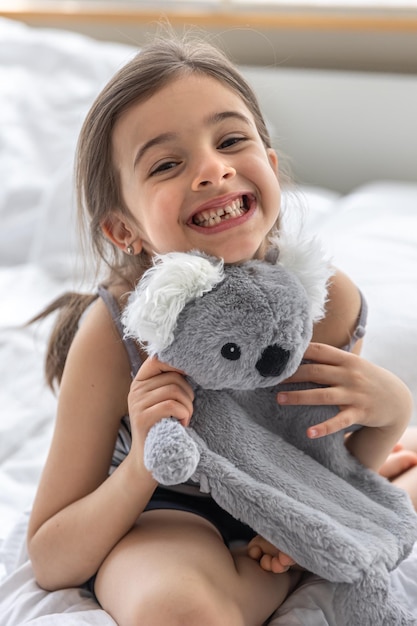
(80, 513)
(366, 394)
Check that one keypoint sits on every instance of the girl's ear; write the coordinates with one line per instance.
(273, 159)
(121, 234)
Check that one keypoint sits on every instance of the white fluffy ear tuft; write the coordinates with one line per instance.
(174, 280)
(306, 258)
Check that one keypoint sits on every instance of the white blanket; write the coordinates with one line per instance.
(372, 234)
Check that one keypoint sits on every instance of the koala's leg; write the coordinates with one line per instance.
(170, 453)
(370, 602)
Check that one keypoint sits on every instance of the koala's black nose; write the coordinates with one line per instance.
(273, 361)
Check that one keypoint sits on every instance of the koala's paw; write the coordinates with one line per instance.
(170, 453)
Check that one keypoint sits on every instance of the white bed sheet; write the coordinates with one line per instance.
(372, 234)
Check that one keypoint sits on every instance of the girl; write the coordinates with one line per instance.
(175, 155)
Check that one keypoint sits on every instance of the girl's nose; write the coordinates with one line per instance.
(212, 171)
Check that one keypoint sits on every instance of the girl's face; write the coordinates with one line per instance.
(194, 173)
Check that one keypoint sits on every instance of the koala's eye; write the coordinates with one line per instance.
(231, 351)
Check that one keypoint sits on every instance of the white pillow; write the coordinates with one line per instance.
(48, 80)
(372, 235)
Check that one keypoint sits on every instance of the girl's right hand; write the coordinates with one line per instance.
(157, 391)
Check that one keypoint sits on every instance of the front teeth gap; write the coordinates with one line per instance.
(212, 217)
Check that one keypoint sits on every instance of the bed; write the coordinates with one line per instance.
(352, 138)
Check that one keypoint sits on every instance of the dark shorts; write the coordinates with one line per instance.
(230, 529)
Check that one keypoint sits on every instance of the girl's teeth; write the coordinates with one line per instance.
(232, 208)
(214, 216)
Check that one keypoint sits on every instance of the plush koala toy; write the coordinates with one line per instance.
(238, 331)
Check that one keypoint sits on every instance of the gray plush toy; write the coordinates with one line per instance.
(238, 331)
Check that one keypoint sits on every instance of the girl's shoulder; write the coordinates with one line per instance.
(97, 344)
(115, 298)
(342, 312)
(97, 359)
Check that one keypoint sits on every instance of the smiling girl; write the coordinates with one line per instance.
(175, 155)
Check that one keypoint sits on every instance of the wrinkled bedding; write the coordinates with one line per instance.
(371, 233)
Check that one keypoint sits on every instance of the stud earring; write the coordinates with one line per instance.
(130, 249)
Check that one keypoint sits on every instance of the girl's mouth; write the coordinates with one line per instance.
(209, 218)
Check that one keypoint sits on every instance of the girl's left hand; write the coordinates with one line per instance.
(268, 556)
(365, 393)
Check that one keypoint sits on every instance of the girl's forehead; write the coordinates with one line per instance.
(189, 92)
(187, 101)
(197, 80)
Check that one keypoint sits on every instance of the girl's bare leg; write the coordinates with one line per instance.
(173, 569)
(408, 482)
(409, 439)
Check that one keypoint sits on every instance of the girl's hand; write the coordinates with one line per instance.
(157, 391)
(268, 556)
(366, 394)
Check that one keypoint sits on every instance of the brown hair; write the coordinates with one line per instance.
(97, 180)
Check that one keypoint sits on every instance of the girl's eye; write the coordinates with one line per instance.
(231, 141)
(163, 167)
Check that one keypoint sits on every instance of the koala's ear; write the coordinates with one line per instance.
(307, 260)
(174, 280)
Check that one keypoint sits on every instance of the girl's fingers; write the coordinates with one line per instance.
(152, 366)
(317, 373)
(155, 374)
(169, 408)
(157, 391)
(166, 390)
(324, 373)
(338, 373)
(324, 353)
(326, 365)
(167, 399)
(344, 419)
(321, 396)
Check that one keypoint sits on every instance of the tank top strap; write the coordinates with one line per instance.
(360, 328)
(114, 310)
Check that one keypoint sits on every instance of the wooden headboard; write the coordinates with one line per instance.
(342, 37)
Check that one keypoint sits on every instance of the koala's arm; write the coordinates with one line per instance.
(170, 454)
(157, 391)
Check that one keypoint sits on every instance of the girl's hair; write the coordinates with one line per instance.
(97, 180)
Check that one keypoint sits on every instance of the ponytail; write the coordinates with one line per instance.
(71, 306)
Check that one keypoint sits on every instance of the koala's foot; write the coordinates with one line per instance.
(170, 453)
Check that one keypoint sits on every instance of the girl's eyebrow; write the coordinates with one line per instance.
(155, 141)
(224, 115)
(211, 120)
